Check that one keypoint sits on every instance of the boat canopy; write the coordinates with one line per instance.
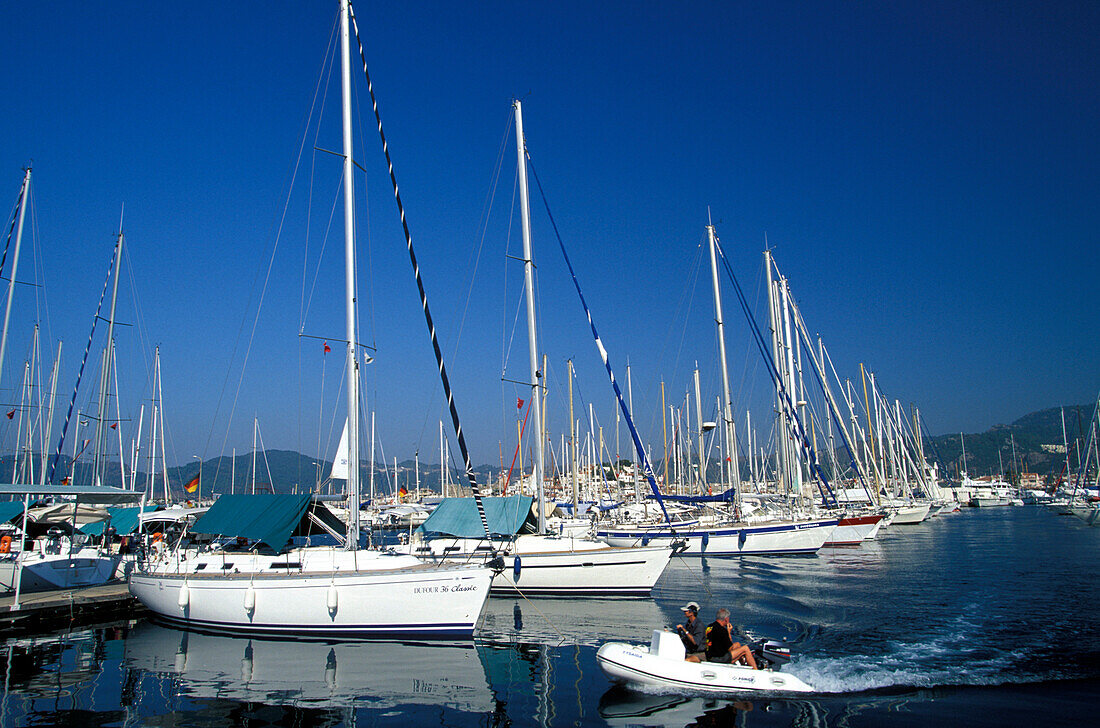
(123, 520)
(10, 510)
(458, 517)
(271, 518)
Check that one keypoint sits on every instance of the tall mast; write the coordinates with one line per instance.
(699, 432)
(99, 457)
(733, 478)
(23, 194)
(782, 471)
(572, 441)
(349, 283)
(1065, 442)
(529, 287)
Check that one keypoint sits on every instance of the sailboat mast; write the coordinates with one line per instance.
(99, 456)
(24, 193)
(349, 281)
(529, 288)
(572, 441)
(733, 478)
(699, 433)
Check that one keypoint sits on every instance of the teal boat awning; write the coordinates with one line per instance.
(123, 520)
(458, 517)
(10, 509)
(270, 518)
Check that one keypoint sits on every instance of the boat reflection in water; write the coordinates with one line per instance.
(313, 674)
(556, 622)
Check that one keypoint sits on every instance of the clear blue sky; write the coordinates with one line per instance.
(926, 173)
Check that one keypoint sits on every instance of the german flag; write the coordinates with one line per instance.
(192, 485)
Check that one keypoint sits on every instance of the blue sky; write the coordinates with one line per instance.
(926, 174)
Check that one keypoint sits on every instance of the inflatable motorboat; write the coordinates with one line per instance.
(661, 664)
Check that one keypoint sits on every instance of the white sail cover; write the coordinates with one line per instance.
(340, 460)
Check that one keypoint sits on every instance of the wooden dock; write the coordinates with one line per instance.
(54, 611)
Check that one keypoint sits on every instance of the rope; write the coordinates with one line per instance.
(80, 374)
(603, 355)
(420, 286)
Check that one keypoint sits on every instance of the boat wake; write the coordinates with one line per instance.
(919, 666)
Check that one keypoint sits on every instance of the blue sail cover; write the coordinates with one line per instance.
(458, 517)
(266, 517)
(123, 520)
(726, 496)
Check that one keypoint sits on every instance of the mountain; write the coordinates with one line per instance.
(1037, 437)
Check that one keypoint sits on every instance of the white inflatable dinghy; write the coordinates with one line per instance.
(662, 664)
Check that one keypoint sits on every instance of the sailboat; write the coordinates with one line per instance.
(45, 549)
(731, 533)
(260, 584)
(538, 562)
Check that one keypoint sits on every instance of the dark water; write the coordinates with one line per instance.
(979, 618)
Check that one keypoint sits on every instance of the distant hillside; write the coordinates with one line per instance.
(276, 471)
(1037, 437)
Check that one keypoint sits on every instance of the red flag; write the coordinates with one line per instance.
(519, 404)
(114, 426)
(192, 485)
(327, 348)
(728, 460)
(65, 480)
(11, 414)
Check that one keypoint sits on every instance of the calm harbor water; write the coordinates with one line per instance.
(978, 618)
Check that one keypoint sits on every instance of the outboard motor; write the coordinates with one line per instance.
(770, 653)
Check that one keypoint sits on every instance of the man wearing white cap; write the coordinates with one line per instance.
(694, 633)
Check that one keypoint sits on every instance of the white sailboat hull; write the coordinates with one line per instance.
(44, 572)
(788, 537)
(1089, 513)
(554, 566)
(910, 515)
(853, 530)
(354, 595)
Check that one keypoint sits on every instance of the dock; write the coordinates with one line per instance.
(62, 610)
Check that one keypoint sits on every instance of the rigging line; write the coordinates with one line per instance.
(80, 374)
(11, 229)
(506, 351)
(484, 225)
(322, 90)
(420, 286)
(603, 353)
(256, 319)
(42, 310)
(798, 430)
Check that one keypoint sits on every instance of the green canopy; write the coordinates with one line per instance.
(458, 517)
(10, 509)
(263, 517)
(123, 520)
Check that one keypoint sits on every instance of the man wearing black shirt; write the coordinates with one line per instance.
(721, 646)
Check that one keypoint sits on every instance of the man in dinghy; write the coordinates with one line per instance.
(721, 647)
(692, 633)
